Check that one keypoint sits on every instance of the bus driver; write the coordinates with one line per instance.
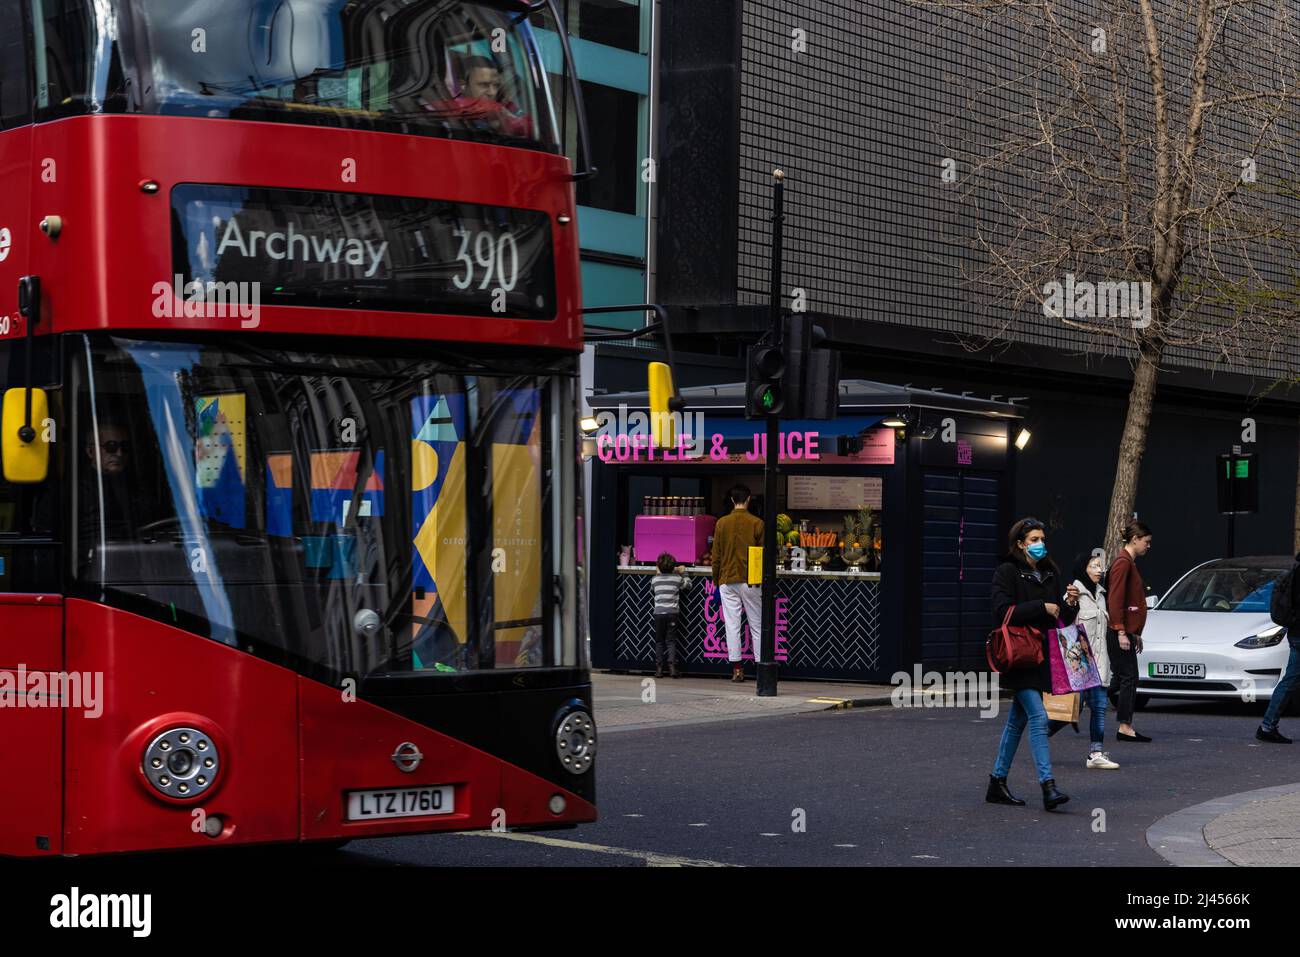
(126, 505)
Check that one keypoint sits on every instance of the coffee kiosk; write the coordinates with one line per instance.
(892, 518)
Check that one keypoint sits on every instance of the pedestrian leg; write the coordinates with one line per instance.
(1036, 719)
(1282, 691)
(752, 597)
(1011, 732)
(732, 610)
(661, 629)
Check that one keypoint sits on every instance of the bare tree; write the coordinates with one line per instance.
(1127, 187)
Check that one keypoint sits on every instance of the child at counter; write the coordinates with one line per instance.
(667, 587)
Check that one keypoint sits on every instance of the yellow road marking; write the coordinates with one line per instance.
(651, 858)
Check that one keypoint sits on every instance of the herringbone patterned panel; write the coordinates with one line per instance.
(832, 624)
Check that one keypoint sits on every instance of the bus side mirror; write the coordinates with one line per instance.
(1151, 600)
(25, 462)
(663, 430)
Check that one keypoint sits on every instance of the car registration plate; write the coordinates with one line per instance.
(1174, 669)
(401, 802)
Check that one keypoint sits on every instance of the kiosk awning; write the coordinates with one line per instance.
(730, 427)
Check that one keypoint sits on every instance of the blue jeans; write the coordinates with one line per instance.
(1026, 708)
(1095, 699)
(1283, 690)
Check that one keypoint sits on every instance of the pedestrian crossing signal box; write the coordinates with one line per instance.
(1237, 477)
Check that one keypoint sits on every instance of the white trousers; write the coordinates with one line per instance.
(748, 599)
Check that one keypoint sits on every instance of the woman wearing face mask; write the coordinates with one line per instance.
(1030, 581)
(1127, 606)
(1088, 569)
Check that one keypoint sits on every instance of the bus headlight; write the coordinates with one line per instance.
(575, 741)
(181, 763)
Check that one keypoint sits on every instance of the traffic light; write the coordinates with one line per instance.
(1238, 483)
(812, 370)
(764, 381)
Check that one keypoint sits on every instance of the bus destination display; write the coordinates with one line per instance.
(359, 251)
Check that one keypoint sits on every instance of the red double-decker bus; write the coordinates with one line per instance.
(289, 336)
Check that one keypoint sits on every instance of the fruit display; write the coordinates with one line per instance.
(858, 528)
(819, 539)
(783, 523)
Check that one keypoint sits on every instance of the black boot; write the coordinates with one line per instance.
(1052, 798)
(998, 793)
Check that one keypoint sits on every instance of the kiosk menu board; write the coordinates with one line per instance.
(833, 492)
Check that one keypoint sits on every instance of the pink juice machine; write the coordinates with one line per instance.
(685, 537)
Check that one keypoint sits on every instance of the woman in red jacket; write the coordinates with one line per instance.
(1126, 603)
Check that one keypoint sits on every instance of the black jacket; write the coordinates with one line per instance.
(1014, 584)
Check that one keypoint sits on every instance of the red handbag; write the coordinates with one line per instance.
(1013, 647)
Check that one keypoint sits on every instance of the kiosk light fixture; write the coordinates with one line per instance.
(1023, 438)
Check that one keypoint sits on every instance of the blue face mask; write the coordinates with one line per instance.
(1037, 551)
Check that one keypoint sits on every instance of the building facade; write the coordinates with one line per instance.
(613, 51)
(853, 99)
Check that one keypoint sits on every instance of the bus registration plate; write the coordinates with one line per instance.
(401, 802)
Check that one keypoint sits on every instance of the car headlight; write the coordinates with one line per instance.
(1265, 639)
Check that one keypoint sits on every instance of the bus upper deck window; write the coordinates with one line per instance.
(423, 67)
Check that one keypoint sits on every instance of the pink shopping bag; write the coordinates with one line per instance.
(1073, 666)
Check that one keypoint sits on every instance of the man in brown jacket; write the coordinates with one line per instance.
(732, 538)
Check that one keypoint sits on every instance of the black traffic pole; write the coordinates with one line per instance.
(1232, 504)
(765, 685)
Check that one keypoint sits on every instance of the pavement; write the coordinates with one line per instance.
(1259, 828)
(625, 702)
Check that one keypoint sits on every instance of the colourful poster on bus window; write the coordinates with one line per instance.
(516, 529)
(279, 494)
(334, 480)
(438, 605)
(220, 450)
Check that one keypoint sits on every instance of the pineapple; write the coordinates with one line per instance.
(866, 520)
(850, 535)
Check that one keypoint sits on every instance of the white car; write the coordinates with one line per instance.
(1211, 635)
